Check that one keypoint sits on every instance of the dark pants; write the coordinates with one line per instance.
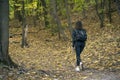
(79, 46)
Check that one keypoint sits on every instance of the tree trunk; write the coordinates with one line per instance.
(4, 34)
(57, 20)
(101, 14)
(17, 13)
(68, 17)
(45, 12)
(109, 13)
(24, 26)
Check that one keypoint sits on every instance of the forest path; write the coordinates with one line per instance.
(50, 59)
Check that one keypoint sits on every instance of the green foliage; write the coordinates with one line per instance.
(34, 7)
(30, 7)
(92, 2)
(80, 4)
(101, 10)
(11, 2)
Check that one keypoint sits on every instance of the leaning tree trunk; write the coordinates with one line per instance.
(4, 33)
(57, 20)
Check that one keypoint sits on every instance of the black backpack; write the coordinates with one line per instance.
(81, 35)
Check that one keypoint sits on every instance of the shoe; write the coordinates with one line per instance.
(81, 66)
(77, 69)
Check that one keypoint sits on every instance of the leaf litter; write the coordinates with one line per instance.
(48, 58)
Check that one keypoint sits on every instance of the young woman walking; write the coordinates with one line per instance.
(79, 38)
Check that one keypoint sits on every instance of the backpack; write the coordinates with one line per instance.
(81, 35)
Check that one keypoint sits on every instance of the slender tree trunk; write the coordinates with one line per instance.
(68, 17)
(34, 17)
(109, 13)
(101, 14)
(17, 13)
(4, 34)
(57, 20)
(24, 26)
(38, 7)
(45, 12)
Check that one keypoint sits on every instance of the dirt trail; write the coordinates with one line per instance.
(51, 59)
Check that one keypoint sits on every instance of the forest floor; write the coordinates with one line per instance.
(48, 58)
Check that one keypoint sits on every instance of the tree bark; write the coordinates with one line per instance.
(24, 26)
(4, 34)
(45, 12)
(101, 14)
(57, 20)
(109, 13)
(17, 14)
(68, 17)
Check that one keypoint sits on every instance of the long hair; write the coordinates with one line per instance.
(78, 25)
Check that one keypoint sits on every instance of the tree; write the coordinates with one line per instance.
(17, 13)
(57, 20)
(45, 12)
(24, 27)
(68, 16)
(101, 12)
(4, 34)
(110, 16)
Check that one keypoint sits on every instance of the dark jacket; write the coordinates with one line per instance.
(74, 37)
